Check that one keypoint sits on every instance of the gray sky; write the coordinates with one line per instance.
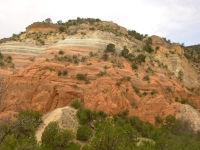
(177, 20)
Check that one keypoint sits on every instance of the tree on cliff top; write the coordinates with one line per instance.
(48, 20)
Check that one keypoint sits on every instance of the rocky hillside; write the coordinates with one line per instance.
(56, 63)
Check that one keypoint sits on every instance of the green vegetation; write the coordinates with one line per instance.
(65, 72)
(134, 66)
(55, 138)
(84, 133)
(61, 29)
(105, 56)
(76, 103)
(136, 89)
(61, 52)
(125, 52)
(185, 101)
(192, 53)
(135, 34)
(147, 47)
(81, 76)
(99, 132)
(101, 73)
(118, 83)
(126, 78)
(6, 62)
(146, 78)
(140, 58)
(110, 48)
(180, 75)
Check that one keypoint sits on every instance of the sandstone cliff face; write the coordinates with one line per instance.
(36, 84)
(172, 56)
(42, 27)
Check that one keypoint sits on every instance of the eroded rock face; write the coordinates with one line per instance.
(191, 116)
(177, 48)
(41, 27)
(158, 41)
(37, 84)
(40, 88)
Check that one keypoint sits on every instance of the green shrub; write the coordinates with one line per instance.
(61, 29)
(147, 47)
(105, 56)
(2, 63)
(59, 73)
(65, 72)
(140, 58)
(83, 59)
(105, 67)
(92, 28)
(55, 138)
(169, 89)
(158, 120)
(135, 34)
(110, 48)
(118, 83)
(180, 75)
(153, 92)
(1, 56)
(76, 103)
(91, 54)
(61, 52)
(81, 76)
(87, 81)
(84, 115)
(146, 78)
(101, 73)
(134, 66)
(125, 52)
(127, 78)
(26, 124)
(9, 59)
(136, 89)
(84, 133)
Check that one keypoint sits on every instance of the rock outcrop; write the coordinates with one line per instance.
(38, 81)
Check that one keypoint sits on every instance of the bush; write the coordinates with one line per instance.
(2, 63)
(118, 83)
(101, 73)
(180, 75)
(84, 133)
(84, 115)
(61, 52)
(92, 28)
(125, 52)
(65, 72)
(1, 56)
(80, 76)
(76, 103)
(55, 138)
(26, 124)
(158, 120)
(134, 66)
(61, 29)
(105, 56)
(140, 58)
(127, 78)
(146, 78)
(110, 48)
(59, 73)
(91, 54)
(136, 89)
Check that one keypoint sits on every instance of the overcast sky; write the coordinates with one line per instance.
(177, 20)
